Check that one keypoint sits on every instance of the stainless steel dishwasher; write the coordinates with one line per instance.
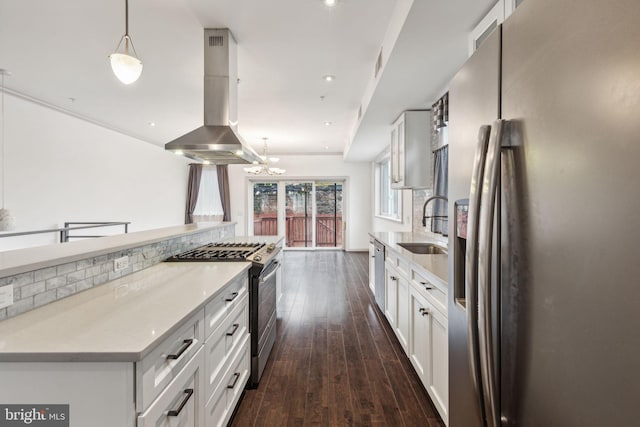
(379, 274)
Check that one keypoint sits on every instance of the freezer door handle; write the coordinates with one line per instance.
(471, 260)
(486, 338)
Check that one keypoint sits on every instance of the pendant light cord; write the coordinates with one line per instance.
(126, 18)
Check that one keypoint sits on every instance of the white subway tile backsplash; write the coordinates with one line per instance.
(21, 279)
(30, 290)
(44, 298)
(44, 274)
(66, 268)
(76, 276)
(56, 282)
(20, 306)
(65, 291)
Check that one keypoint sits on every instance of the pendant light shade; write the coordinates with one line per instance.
(124, 62)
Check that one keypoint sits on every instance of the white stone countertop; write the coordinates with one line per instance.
(120, 321)
(28, 259)
(436, 264)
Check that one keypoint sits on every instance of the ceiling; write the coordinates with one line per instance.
(57, 53)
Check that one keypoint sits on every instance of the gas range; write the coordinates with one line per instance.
(257, 253)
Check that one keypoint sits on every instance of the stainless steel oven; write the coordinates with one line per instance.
(263, 276)
(262, 321)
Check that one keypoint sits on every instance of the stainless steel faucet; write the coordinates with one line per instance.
(424, 209)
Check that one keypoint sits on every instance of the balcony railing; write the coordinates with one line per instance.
(298, 230)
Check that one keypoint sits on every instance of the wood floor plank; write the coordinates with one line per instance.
(336, 361)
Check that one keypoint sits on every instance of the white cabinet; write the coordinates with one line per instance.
(372, 267)
(181, 403)
(416, 309)
(397, 296)
(429, 349)
(198, 370)
(411, 156)
(391, 295)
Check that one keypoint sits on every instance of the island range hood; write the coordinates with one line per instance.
(217, 142)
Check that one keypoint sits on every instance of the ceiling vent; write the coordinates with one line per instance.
(216, 41)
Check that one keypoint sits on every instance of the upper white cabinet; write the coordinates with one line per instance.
(495, 17)
(411, 156)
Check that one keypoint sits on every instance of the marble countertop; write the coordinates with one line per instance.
(436, 264)
(28, 259)
(120, 321)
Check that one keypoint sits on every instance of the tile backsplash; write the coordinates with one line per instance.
(36, 288)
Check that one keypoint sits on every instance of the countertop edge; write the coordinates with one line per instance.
(78, 253)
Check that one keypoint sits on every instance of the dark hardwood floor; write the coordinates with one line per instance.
(336, 361)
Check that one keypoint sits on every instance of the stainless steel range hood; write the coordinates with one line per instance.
(217, 141)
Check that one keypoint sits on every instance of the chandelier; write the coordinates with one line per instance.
(265, 168)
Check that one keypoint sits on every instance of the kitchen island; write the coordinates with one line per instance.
(169, 343)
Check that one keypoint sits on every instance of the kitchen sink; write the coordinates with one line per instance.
(424, 248)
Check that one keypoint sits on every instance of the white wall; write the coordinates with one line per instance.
(359, 200)
(60, 168)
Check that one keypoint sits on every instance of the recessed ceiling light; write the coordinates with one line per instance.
(330, 3)
(152, 124)
(178, 153)
(328, 123)
(326, 147)
(328, 78)
(206, 162)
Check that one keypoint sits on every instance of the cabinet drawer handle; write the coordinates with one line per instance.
(426, 285)
(233, 329)
(236, 377)
(176, 412)
(185, 346)
(232, 297)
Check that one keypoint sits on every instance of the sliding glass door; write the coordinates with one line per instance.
(328, 214)
(265, 208)
(299, 214)
(308, 213)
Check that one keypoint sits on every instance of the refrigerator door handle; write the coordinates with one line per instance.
(488, 357)
(471, 260)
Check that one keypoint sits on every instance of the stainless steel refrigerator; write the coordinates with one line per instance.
(544, 301)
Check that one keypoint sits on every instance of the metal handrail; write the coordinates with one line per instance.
(64, 231)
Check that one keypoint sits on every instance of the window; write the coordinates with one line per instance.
(209, 205)
(389, 201)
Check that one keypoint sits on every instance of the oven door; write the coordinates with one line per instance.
(263, 318)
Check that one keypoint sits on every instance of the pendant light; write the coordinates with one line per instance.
(265, 168)
(125, 64)
(7, 222)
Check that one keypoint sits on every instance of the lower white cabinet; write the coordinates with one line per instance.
(391, 295)
(415, 307)
(228, 391)
(192, 378)
(372, 267)
(428, 350)
(181, 403)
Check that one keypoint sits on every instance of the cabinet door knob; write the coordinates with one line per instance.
(424, 311)
(393, 277)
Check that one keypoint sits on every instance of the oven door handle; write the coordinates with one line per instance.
(273, 270)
